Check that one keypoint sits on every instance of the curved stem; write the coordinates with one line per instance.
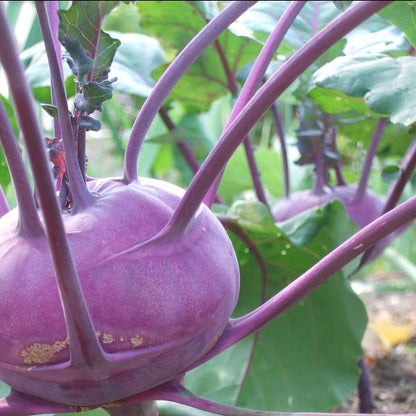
(29, 222)
(81, 198)
(362, 185)
(171, 76)
(84, 345)
(182, 145)
(179, 394)
(259, 104)
(52, 7)
(254, 171)
(360, 242)
(18, 404)
(283, 150)
(407, 169)
(253, 81)
(393, 196)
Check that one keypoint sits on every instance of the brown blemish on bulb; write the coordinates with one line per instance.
(136, 341)
(42, 352)
(108, 338)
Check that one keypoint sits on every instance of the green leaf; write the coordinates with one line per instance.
(80, 33)
(92, 97)
(390, 173)
(237, 179)
(403, 15)
(342, 5)
(132, 69)
(385, 84)
(175, 24)
(89, 123)
(52, 110)
(308, 357)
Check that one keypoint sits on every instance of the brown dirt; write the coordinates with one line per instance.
(390, 350)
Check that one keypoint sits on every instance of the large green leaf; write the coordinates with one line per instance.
(135, 59)
(264, 15)
(403, 15)
(175, 24)
(306, 359)
(385, 84)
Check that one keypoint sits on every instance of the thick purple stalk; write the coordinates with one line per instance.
(177, 393)
(17, 404)
(29, 222)
(283, 150)
(371, 152)
(251, 85)
(84, 345)
(52, 7)
(171, 76)
(259, 104)
(360, 242)
(80, 196)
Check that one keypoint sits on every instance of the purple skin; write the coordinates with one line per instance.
(361, 210)
(172, 230)
(156, 286)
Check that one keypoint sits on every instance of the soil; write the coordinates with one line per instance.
(390, 353)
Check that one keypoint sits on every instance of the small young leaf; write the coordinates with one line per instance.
(89, 123)
(77, 59)
(92, 97)
(52, 110)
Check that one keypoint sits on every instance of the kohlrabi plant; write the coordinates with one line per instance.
(133, 295)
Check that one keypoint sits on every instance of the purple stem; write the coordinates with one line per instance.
(281, 135)
(4, 206)
(338, 172)
(407, 169)
(171, 76)
(259, 104)
(177, 393)
(364, 389)
(253, 81)
(362, 185)
(234, 228)
(360, 242)
(183, 146)
(79, 324)
(52, 7)
(320, 173)
(29, 222)
(18, 404)
(81, 198)
(255, 174)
